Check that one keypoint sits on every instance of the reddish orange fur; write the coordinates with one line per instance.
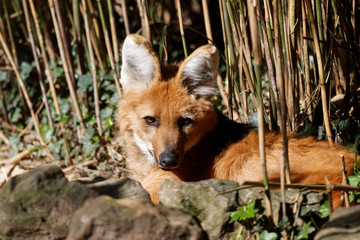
(310, 161)
(210, 147)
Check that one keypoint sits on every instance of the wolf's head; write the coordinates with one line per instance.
(166, 109)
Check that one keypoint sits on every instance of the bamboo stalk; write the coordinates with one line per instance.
(280, 82)
(223, 93)
(10, 32)
(308, 103)
(125, 15)
(320, 26)
(344, 195)
(320, 72)
(78, 36)
(95, 43)
(49, 76)
(181, 25)
(261, 123)
(37, 64)
(23, 88)
(93, 70)
(4, 108)
(115, 40)
(69, 81)
(108, 48)
(64, 39)
(207, 20)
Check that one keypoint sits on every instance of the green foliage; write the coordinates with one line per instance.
(324, 210)
(304, 233)
(354, 180)
(266, 235)
(244, 212)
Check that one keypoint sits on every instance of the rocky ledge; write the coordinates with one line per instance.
(43, 204)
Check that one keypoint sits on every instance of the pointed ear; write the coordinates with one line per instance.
(199, 71)
(140, 65)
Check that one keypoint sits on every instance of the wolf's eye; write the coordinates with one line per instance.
(183, 122)
(151, 121)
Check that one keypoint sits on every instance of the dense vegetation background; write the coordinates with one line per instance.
(285, 66)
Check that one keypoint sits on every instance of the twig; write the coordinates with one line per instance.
(329, 190)
(18, 157)
(344, 195)
(276, 185)
(4, 138)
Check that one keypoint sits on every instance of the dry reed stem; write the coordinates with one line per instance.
(181, 25)
(344, 195)
(37, 64)
(49, 76)
(207, 20)
(10, 33)
(276, 185)
(4, 138)
(64, 39)
(320, 72)
(146, 21)
(261, 123)
(115, 40)
(93, 70)
(125, 16)
(68, 78)
(109, 48)
(329, 189)
(23, 88)
(305, 55)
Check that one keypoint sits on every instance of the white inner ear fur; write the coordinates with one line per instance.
(138, 65)
(199, 71)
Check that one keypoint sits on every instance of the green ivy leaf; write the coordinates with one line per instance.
(16, 115)
(26, 69)
(266, 235)
(84, 82)
(304, 233)
(354, 180)
(324, 210)
(13, 140)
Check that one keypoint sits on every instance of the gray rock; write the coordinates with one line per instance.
(343, 224)
(120, 188)
(40, 203)
(213, 200)
(107, 218)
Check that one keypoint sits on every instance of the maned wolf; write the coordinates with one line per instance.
(169, 128)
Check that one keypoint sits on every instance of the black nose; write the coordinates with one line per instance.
(169, 158)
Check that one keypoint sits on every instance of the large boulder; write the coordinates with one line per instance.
(107, 218)
(39, 204)
(343, 224)
(212, 201)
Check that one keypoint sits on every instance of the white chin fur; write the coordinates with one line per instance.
(146, 149)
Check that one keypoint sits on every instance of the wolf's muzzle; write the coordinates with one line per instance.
(169, 159)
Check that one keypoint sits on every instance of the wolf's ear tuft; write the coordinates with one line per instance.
(140, 65)
(199, 71)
